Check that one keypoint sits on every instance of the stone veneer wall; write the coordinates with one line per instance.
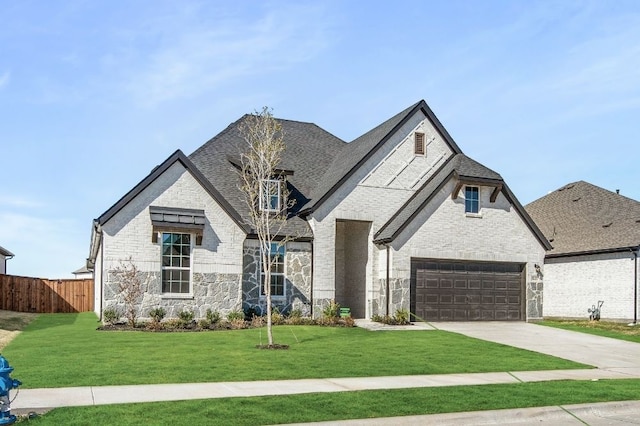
(215, 291)
(535, 288)
(297, 279)
(399, 292)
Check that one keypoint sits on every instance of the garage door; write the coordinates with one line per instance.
(467, 291)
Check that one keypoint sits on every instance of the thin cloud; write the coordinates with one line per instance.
(207, 57)
(19, 202)
(4, 79)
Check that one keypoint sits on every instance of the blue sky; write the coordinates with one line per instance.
(94, 94)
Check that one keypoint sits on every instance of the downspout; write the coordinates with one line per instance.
(101, 274)
(635, 286)
(388, 275)
(311, 286)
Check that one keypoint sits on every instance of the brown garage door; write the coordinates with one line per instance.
(467, 291)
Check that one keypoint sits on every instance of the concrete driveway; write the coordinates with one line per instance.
(602, 352)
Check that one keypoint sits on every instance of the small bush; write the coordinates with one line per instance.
(110, 316)
(348, 322)
(238, 323)
(186, 316)
(332, 310)
(295, 313)
(402, 317)
(213, 316)
(257, 321)
(204, 324)
(157, 314)
(235, 315)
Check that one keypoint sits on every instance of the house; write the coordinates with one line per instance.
(399, 218)
(82, 273)
(595, 234)
(4, 256)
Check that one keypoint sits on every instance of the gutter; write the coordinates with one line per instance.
(388, 274)
(635, 286)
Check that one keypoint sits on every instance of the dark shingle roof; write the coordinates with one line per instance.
(584, 218)
(458, 164)
(360, 149)
(308, 153)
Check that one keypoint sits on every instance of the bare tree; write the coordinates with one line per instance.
(265, 191)
(131, 285)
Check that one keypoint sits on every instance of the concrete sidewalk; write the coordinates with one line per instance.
(614, 358)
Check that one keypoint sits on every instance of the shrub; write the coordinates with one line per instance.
(185, 318)
(235, 315)
(110, 316)
(295, 313)
(332, 310)
(348, 321)
(257, 321)
(157, 314)
(213, 316)
(204, 323)
(276, 317)
(402, 317)
(238, 323)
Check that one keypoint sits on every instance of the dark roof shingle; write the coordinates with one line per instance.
(584, 218)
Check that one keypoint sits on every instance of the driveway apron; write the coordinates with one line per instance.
(601, 352)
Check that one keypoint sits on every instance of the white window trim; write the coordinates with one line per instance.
(477, 214)
(188, 295)
(265, 200)
(263, 297)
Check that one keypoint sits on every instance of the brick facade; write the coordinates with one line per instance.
(576, 283)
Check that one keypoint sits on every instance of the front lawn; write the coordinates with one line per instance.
(616, 330)
(347, 405)
(59, 350)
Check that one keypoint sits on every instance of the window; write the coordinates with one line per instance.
(419, 143)
(277, 271)
(176, 263)
(270, 195)
(471, 199)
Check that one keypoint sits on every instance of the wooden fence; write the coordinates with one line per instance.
(26, 294)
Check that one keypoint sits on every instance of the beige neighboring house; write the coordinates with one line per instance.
(4, 256)
(399, 218)
(595, 234)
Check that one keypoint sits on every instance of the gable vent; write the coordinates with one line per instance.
(419, 143)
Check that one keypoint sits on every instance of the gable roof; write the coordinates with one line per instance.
(5, 252)
(177, 156)
(581, 218)
(462, 168)
(355, 153)
(309, 150)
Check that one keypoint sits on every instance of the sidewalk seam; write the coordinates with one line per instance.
(573, 415)
(93, 396)
(515, 377)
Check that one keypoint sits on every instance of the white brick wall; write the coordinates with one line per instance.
(373, 194)
(572, 285)
(129, 232)
(443, 231)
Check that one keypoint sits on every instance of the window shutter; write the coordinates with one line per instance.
(419, 143)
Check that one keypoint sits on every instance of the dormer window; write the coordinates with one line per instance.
(419, 148)
(270, 195)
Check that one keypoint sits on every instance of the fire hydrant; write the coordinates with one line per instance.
(6, 384)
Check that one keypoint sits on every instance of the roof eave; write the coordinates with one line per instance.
(592, 252)
(177, 156)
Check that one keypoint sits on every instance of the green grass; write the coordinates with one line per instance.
(58, 350)
(615, 330)
(347, 405)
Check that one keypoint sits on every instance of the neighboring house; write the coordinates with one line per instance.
(82, 273)
(4, 256)
(399, 218)
(595, 236)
